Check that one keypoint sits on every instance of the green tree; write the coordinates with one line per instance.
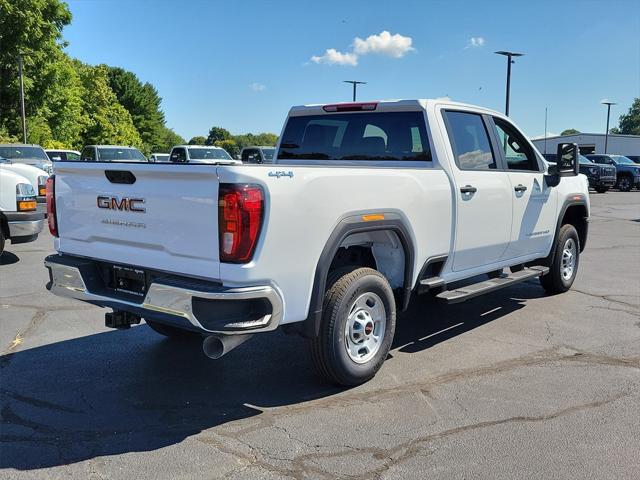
(629, 123)
(108, 122)
(34, 29)
(230, 146)
(198, 140)
(168, 139)
(143, 104)
(570, 131)
(217, 134)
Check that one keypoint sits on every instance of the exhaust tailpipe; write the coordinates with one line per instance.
(215, 346)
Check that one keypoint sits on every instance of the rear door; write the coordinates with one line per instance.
(159, 216)
(482, 192)
(534, 203)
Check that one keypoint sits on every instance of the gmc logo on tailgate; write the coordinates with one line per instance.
(124, 204)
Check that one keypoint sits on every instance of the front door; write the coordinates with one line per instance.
(482, 192)
(534, 203)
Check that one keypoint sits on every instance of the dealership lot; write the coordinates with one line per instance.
(512, 384)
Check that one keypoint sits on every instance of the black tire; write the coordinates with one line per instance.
(495, 273)
(602, 189)
(170, 331)
(329, 349)
(624, 183)
(555, 281)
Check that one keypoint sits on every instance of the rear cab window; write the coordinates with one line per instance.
(387, 136)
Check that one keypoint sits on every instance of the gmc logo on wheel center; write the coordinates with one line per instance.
(124, 204)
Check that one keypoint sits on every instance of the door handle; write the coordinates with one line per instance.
(468, 189)
(520, 188)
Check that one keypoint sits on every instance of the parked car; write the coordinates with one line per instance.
(628, 172)
(20, 221)
(159, 157)
(63, 155)
(111, 153)
(257, 154)
(29, 154)
(200, 154)
(601, 177)
(403, 197)
(36, 177)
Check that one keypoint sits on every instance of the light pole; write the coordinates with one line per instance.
(24, 119)
(355, 84)
(509, 55)
(606, 133)
(545, 130)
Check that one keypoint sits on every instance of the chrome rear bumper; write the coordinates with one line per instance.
(168, 300)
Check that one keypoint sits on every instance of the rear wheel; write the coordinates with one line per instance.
(602, 189)
(564, 264)
(624, 183)
(358, 324)
(170, 331)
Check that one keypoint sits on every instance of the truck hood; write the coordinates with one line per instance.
(29, 172)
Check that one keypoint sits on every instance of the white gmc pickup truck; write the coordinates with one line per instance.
(365, 205)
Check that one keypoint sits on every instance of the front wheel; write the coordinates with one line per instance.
(564, 264)
(624, 183)
(358, 324)
(602, 189)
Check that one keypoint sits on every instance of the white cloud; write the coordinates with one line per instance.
(257, 87)
(334, 57)
(395, 46)
(476, 42)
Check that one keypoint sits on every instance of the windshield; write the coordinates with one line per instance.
(584, 160)
(268, 153)
(622, 159)
(208, 154)
(120, 155)
(356, 136)
(17, 153)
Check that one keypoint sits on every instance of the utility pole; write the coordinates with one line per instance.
(355, 83)
(606, 133)
(509, 55)
(545, 130)
(24, 119)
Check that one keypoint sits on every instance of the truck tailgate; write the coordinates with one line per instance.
(167, 219)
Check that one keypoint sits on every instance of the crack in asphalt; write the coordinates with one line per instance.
(607, 297)
(306, 464)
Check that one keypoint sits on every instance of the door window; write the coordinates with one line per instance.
(178, 155)
(470, 141)
(251, 155)
(517, 151)
(88, 155)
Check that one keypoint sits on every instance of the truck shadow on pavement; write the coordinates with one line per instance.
(8, 258)
(133, 391)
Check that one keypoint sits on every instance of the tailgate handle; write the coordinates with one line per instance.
(120, 176)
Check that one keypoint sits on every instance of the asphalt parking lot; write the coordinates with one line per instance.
(515, 384)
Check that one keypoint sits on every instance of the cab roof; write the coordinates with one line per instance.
(385, 106)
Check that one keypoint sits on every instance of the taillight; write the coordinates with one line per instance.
(240, 211)
(51, 206)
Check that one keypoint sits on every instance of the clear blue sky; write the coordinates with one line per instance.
(242, 64)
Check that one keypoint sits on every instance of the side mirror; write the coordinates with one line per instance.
(568, 165)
